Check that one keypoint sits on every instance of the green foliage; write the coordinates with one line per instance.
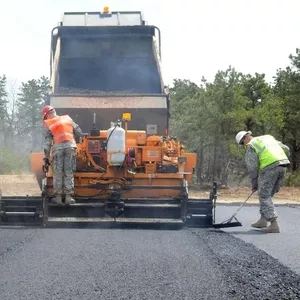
(3, 97)
(44, 85)
(32, 97)
(30, 102)
(292, 179)
(207, 117)
(21, 127)
(287, 88)
(12, 162)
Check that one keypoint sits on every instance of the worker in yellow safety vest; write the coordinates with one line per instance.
(266, 160)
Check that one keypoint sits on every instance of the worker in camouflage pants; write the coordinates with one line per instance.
(60, 131)
(266, 160)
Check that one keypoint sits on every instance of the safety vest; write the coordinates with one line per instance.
(267, 149)
(61, 128)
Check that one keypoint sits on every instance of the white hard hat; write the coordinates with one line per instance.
(240, 135)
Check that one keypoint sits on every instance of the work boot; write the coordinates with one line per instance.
(273, 228)
(262, 222)
(69, 200)
(57, 200)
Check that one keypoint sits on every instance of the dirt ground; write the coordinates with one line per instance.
(19, 185)
(27, 185)
(289, 195)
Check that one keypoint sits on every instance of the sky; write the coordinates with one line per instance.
(199, 37)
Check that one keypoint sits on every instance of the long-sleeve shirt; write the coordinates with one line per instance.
(67, 144)
(252, 160)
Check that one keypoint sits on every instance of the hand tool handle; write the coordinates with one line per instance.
(243, 204)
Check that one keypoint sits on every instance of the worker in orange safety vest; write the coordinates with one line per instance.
(59, 132)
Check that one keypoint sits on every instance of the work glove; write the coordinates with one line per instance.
(254, 184)
(46, 161)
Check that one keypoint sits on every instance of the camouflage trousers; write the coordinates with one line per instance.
(63, 168)
(268, 185)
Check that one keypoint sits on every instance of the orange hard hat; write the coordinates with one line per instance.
(45, 110)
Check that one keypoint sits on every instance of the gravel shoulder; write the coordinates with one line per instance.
(139, 264)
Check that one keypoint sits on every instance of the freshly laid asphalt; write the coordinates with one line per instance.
(284, 246)
(142, 264)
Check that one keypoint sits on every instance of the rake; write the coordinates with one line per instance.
(229, 223)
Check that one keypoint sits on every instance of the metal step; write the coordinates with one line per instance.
(117, 220)
(110, 223)
(18, 213)
(146, 205)
(129, 209)
(199, 213)
(21, 210)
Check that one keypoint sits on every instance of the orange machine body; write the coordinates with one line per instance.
(154, 167)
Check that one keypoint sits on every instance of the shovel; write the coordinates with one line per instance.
(228, 223)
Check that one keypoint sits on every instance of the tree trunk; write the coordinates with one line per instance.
(214, 162)
(294, 155)
(200, 165)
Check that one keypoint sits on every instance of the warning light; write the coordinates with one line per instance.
(106, 10)
(126, 116)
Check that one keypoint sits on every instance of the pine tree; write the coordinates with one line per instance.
(30, 102)
(3, 96)
(3, 108)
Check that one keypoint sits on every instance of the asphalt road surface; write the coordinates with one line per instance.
(284, 246)
(138, 264)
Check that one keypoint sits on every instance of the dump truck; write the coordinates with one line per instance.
(105, 73)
